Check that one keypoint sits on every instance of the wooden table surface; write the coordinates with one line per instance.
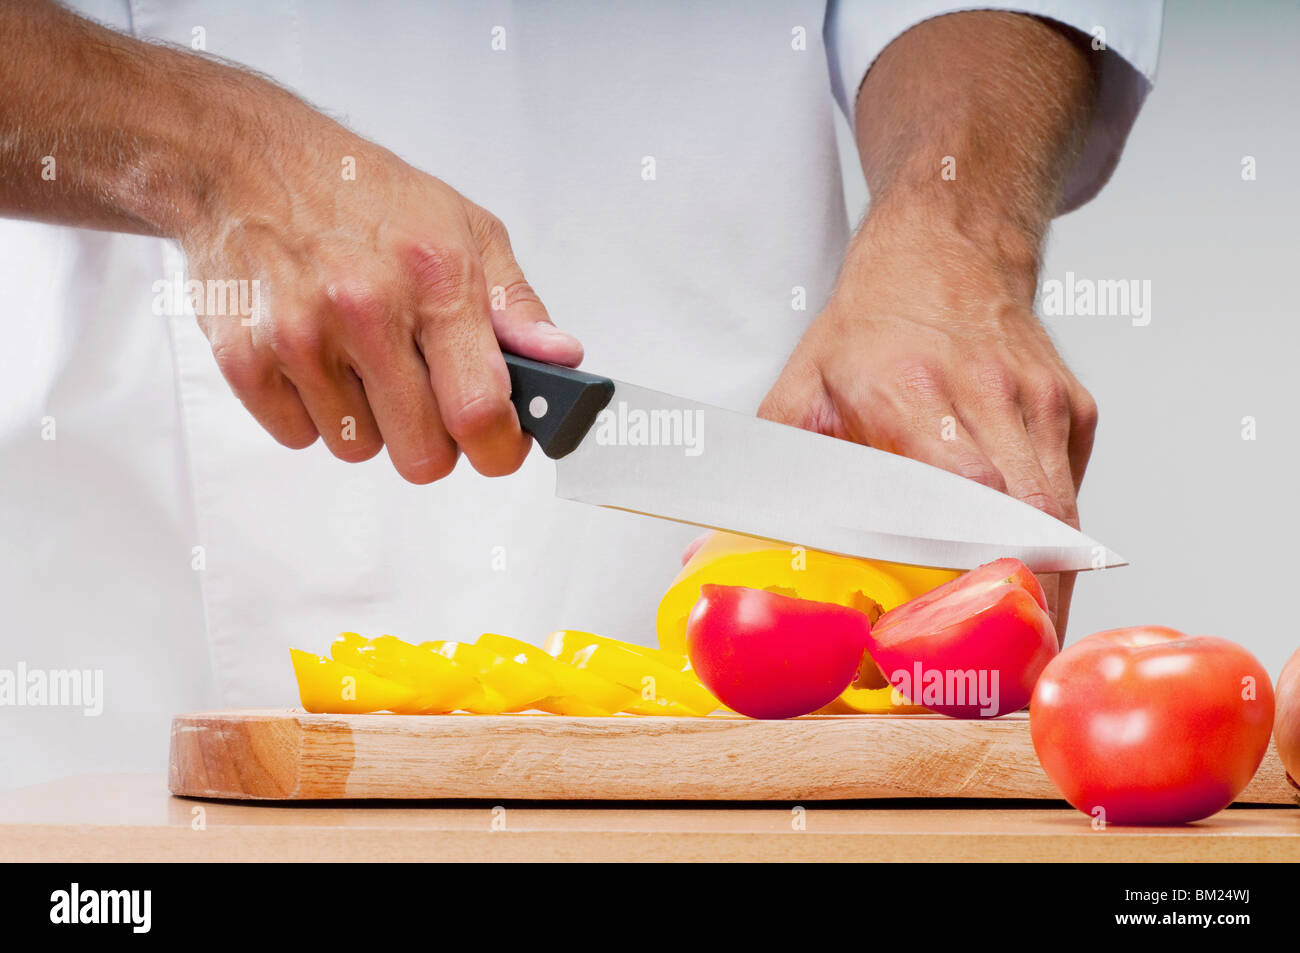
(133, 818)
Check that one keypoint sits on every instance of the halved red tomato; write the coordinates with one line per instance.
(972, 648)
(768, 655)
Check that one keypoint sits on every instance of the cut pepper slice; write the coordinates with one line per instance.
(439, 683)
(505, 685)
(578, 692)
(662, 688)
(325, 685)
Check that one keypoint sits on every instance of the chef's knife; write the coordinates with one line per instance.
(626, 447)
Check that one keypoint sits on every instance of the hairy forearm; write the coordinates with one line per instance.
(967, 125)
(104, 131)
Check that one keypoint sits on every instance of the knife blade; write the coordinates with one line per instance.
(626, 447)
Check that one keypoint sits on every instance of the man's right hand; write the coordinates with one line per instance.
(386, 301)
(385, 295)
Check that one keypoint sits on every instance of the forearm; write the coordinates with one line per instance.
(101, 130)
(967, 125)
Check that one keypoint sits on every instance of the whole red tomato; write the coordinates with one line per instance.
(973, 647)
(1148, 725)
(1286, 726)
(772, 656)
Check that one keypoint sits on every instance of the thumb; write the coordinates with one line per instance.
(519, 318)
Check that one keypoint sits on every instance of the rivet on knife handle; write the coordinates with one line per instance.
(556, 405)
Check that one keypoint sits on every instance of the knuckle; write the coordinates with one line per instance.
(492, 231)
(477, 417)
(1069, 511)
(995, 382)
(518, 292)
(1040, 499)
(779, 405)
(1049, 396)
(981, 471)
(359, 302)
(241, 367)
(918, 380)
(1084, 412)
(296, 341)
(443, 274)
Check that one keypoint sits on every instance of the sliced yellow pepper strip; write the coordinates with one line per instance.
(506, 685)
(662, 688)
(578, 692)
(439, 683)
(325, 685)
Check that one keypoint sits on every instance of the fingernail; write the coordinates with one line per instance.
(551, 331)
(554, 336)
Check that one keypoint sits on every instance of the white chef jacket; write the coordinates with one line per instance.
(163, 538)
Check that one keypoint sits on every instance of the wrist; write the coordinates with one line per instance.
(979, 245)
(241, 134)
(237, 141)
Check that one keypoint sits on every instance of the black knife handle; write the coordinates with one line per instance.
(556, 405)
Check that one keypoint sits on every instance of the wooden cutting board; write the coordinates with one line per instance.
(286, 754)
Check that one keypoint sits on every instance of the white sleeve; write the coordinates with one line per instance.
(857, 31)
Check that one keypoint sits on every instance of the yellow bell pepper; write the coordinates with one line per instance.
(661, 685)
(505, 685)
(870, 585)
(578, 692)
(325, 685)
(439, 683)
